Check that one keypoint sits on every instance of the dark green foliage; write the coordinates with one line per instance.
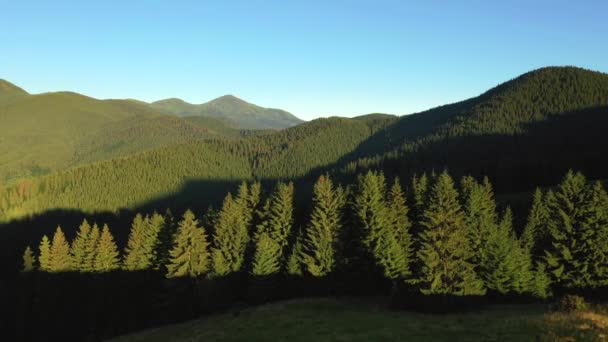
(445, 250)
(59, 255)
(536, 230)
(377, 225)
(576, 256)
(107, 257)
(398, 212)
(321, 242)
(231, 233)
(480, 216)
(295, 264)
(273, 232)
(29, 260)
(190, 255)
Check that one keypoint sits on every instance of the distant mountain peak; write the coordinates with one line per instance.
(7, 87)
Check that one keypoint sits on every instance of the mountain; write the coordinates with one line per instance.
(525, 132)
(244, 114)
(50, 132)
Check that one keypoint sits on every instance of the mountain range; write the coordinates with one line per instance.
(527, 131)
(49, 132)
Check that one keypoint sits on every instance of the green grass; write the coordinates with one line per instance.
(354, 320)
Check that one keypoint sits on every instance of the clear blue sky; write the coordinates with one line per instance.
(313, 58)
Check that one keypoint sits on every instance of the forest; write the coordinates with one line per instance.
(433, 243)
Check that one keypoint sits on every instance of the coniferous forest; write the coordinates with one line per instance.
(156, 218)
(433, 243)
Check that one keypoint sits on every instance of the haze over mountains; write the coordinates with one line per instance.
(522, 133)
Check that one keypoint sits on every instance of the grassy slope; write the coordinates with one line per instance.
(245, 115)
(366, 320)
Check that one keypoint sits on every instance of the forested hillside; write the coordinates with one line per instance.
(243, 114)
(523, 133)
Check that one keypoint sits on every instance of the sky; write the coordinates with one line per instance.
(312, 58)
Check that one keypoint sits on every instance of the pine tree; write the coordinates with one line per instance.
(78, 249)
(374, 220)
(595, 228)
(232, 233)
(276, 226)
(107, 257)
(480, 216)
(267, 256)
(321, 243)
(295, 264)
(540, 287)
(536, 232)
(164, 243)
(190, 255)
(398, 213)
(91, 250)
(568, 257)
(29, 260)
(445, 250)
(45, 251)
(505, 265)
(140, 253)
(59, 255)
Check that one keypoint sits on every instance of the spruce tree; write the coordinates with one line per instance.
(398, 213)
(595, 226)
(190, 255)
(267, 256)
(44, 254)
(164, 243)
(374, 220)
(59, 255)
(107, 257)
(505, 265)
(569, 256)
(29, 260)
(78, 249)
(231, 233)
(91, 250)
(445, 250)
(480, 216)
(536, 232)
(140, 253)
(276, 226)
(295, 262)
(321, 242)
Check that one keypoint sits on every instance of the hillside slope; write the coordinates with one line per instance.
(523, 133)
(243, 114)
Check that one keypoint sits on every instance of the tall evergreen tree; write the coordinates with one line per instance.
(445, 250)
(140, 253)
(29, 260)
(595, 226)
(232, 233)
(295, 264)
(569, 257)
(59, 256)
(505, 265)
(276, 226)
(90, 254)
(535, 232)
(107, 257)
(190, 255)
(398, 213)
(164, 243)
(78, 249)
(480, 216)
(321, 243)
(44, 254)
(374, 220)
